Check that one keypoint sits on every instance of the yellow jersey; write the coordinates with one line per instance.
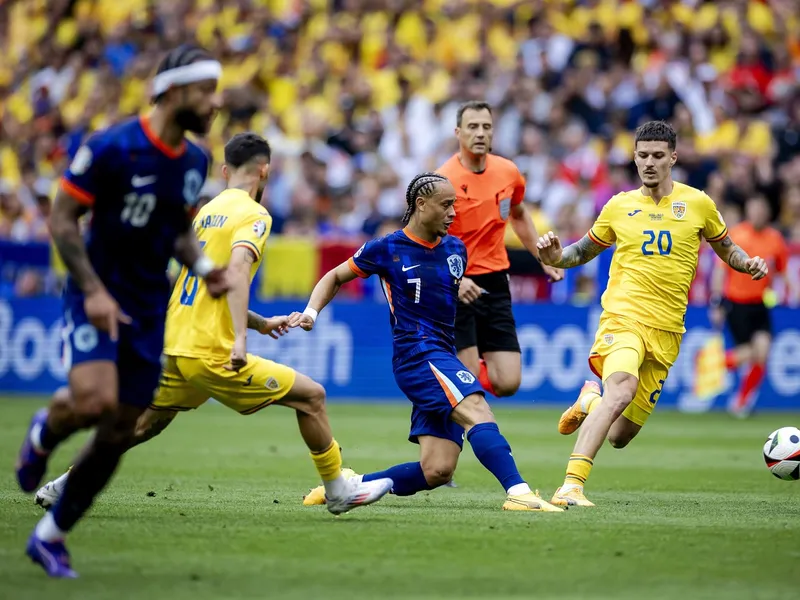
(199, 326)
(657, 251)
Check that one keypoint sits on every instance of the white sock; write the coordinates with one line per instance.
(36, 438)
(571, 486)
(336, 488)
(519, 489)
(58, 484)
(47, 529)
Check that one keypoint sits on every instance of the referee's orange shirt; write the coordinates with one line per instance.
(483, 204)
(769, 245)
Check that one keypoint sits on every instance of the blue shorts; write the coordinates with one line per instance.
(436, 382)
(137, 351)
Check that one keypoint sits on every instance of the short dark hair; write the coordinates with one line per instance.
(656, 131)
(244, 147)
(183, 55)
(471, 105)
(423, 185)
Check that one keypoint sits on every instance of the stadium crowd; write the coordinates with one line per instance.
(356, 96)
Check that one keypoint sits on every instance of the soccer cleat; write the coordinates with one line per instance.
(361, 493)
(316, 496)
(572, 418)
(572, 497)
(531, 501)
(47, 495)
(32, 464)
(52, 556)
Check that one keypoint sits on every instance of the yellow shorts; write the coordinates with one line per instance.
(627, 346)
(186, 383)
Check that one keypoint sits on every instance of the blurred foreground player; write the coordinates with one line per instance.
(206, 341)
(420, 268)
(742, 301)
(657, 229)
(139, 178)
(489, 191)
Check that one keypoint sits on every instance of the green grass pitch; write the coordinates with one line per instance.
(211, 510)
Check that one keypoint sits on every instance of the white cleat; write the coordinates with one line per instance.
(47, 495)
(360, 493)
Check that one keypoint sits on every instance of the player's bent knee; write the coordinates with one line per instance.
(506, 387)
(95, 404)
(438, 473)
(473, 410)
(619, 441)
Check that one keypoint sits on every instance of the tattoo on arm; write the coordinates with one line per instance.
(732, 254)
(254, 321)
(69, 242)
(579, 253)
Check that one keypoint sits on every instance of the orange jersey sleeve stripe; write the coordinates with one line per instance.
(354, 268)
(246, 244)
(82, 196)
(597, 240)
(720, 237)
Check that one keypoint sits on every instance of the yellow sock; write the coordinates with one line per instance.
(578, 469)
(328, 462)
(590, 401)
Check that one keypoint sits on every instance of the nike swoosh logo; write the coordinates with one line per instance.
(142, 181)
(630, 214)
(409, 268)
(249, 381)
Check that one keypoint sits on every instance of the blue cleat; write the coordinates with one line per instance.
(52, 556)
(32, 464)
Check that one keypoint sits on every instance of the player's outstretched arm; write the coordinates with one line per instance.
(188, 252)
(522, 224)
(581, 252)
(325, 291)
(738, 260)
(239, 269)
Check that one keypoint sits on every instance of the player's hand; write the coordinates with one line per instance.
(274, 327)
(553, 274)
(217, 282)
(469, 291)
(302, 320)
(104, 313)
(757, 267)
(549, 248)
(238, 355)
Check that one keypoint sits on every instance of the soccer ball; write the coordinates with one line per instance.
(782, 453)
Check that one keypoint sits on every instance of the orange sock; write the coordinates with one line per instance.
(483, 378)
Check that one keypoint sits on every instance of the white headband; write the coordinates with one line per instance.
(198, 71)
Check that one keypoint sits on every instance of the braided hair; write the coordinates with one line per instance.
(181, 56)
(423, 185)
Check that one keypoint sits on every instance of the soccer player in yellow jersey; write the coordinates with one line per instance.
(205, 347)
(658, 230)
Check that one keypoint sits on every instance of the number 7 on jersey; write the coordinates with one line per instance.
(417, 282)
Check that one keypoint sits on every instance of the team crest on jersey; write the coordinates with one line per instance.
(679, 209)
(272, 384)
(505, 208)
(192, 182)
(456, 266)
(466, 377)
(260, 228)
(608, 338)
(360, 250)
(82, 161)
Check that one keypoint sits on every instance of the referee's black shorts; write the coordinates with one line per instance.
(744, 320)
(488, 322)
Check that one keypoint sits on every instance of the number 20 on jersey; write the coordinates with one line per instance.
(657, 241)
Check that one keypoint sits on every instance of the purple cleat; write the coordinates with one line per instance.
(32, 464)
(53, 557)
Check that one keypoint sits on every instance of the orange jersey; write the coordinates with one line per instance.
(483, 204)
(769, 245)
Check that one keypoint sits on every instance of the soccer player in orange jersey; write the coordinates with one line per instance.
(740, 301)
(657, 230)
(489, 192)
